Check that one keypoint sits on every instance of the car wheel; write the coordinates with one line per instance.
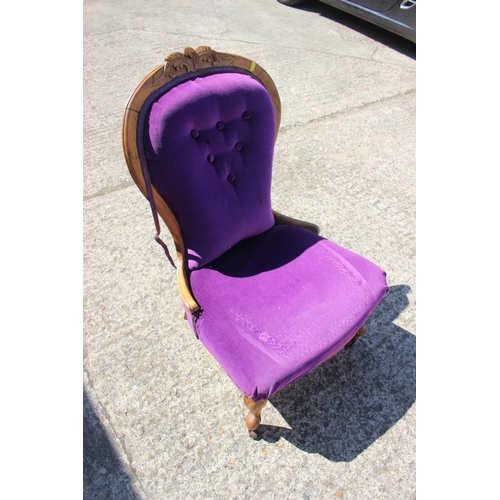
(291, 2)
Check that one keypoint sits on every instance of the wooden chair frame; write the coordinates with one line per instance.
(175, 65)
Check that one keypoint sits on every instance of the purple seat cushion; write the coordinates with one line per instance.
(209, 145)
(277, 305)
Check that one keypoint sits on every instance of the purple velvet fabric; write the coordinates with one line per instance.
(209, 147)
(279, 304)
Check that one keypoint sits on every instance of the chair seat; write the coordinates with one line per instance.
(277, 305)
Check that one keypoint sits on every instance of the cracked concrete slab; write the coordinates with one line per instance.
(168, 419)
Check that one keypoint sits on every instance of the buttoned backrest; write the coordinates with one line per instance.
(208, 144)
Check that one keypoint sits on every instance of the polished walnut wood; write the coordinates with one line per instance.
(290, 221)
(253, 418)
(360, 332)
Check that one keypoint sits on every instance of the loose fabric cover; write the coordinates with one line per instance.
(209, 146)
(277, 305)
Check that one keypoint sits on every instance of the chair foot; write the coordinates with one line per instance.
(359, 333)
(253, 418)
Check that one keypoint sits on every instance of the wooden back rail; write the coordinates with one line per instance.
(175, 65)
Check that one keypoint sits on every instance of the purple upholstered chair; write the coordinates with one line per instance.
(266, 295)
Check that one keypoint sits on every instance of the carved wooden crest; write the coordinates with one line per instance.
(177, 64)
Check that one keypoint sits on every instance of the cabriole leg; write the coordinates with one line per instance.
(253, 418)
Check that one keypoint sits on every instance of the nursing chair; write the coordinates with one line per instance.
(266, 295)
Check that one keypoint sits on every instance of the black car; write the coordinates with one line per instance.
(396, 16)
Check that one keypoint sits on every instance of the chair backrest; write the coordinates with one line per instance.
(205, 126)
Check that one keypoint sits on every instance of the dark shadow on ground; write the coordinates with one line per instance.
(103, 475)
(391, 40)
(343, 406)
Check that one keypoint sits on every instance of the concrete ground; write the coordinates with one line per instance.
(161, 418)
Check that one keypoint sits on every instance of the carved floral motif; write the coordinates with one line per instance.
(177, 64)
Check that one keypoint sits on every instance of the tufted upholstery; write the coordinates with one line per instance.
(209, 146)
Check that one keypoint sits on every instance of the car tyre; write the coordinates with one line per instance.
(291, 2)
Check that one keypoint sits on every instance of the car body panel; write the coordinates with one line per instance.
(398, 17)
(376, 5)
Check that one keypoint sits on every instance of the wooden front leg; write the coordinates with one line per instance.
(253, 418)
(359, 333)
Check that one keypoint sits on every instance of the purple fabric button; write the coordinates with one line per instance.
(246, 115)
(220, 125)
(210, 158)
(231, 178)
(238, 146)
(194, 133)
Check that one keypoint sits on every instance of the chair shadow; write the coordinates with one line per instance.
(343, 406)
(391, 40)
(270, 250)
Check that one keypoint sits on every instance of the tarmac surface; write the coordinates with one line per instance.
(161, 418)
